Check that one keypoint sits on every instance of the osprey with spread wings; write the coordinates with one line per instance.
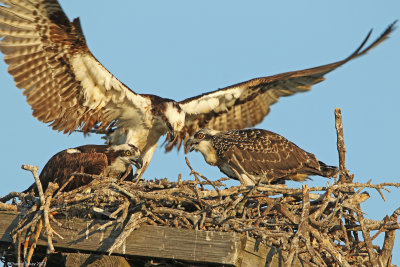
(67, 87)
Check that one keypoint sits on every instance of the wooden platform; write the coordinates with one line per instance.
(191, 246)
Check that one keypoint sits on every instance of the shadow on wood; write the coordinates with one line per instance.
(194, 246)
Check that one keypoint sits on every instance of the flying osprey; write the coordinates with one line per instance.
(102, 160)
(252, 155)
(67, 87)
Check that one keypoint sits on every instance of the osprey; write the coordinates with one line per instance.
(101, 160)
(254, 155)
(67, 87)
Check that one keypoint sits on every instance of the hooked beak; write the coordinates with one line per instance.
(172, 136)
(190, 145)
(171, 133)
(137, 162)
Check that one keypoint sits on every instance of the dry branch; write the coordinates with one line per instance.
(319, 225)
(288, 219)
(340, 146)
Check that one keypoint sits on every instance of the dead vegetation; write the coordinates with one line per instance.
(321, 226)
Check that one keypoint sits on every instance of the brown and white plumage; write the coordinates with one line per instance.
(69, 89)
(101, 160)
(252, 155)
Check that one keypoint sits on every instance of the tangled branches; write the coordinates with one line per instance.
(319, 225)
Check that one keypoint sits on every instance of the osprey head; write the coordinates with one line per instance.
(174, 118)
(128, 154)
(200, 141)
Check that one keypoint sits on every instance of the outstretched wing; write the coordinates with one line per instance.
(246, 104)
(62, 81)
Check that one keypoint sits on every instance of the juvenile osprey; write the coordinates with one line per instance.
(102, 160)
(67, 87)
(253, 154)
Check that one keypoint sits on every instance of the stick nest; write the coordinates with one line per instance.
(321, 226)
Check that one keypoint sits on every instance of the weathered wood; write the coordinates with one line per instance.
(253, 254)
(92, 260)
(153, 242)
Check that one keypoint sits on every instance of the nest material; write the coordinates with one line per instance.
(322, 226)
(319, 225)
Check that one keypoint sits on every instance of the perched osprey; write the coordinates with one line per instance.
(253, 154)
(102, 160)
(67, 87)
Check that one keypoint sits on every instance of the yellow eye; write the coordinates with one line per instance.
(128, 153)
(200, 136)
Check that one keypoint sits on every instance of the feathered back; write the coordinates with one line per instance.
(266, 154)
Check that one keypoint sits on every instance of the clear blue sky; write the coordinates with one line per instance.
(178, 49)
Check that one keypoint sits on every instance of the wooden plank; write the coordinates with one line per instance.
(154, 242)
(252, 254)
(92, 260)
(255, 254)
(147, 241)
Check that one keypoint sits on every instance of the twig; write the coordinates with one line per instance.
(381, 229)
(367, 239)
(34, 171)
(326, 244)
(35, 239)
(346, 237)
(126, 173)
(303, 227)
(389, 240)
(194, 173)
(18, 237)
(380, 193)
(65, 184)
(9, 207)
(21, 227)
(49, 231)
(205, 178)
(293, 218)
(122, 190)
(192, 217)
(340, 146)
(27, 240)
(132, 224)
(12, 195)
(351, 185)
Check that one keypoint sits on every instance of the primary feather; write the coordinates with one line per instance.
(67, 87)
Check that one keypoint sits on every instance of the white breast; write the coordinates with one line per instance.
(116, 168)
(209, 153)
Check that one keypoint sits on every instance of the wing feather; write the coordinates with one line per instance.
(62, 81)
(61, 166)
(246, 104)
(264, 153)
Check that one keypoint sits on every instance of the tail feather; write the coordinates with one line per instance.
(328, 171)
